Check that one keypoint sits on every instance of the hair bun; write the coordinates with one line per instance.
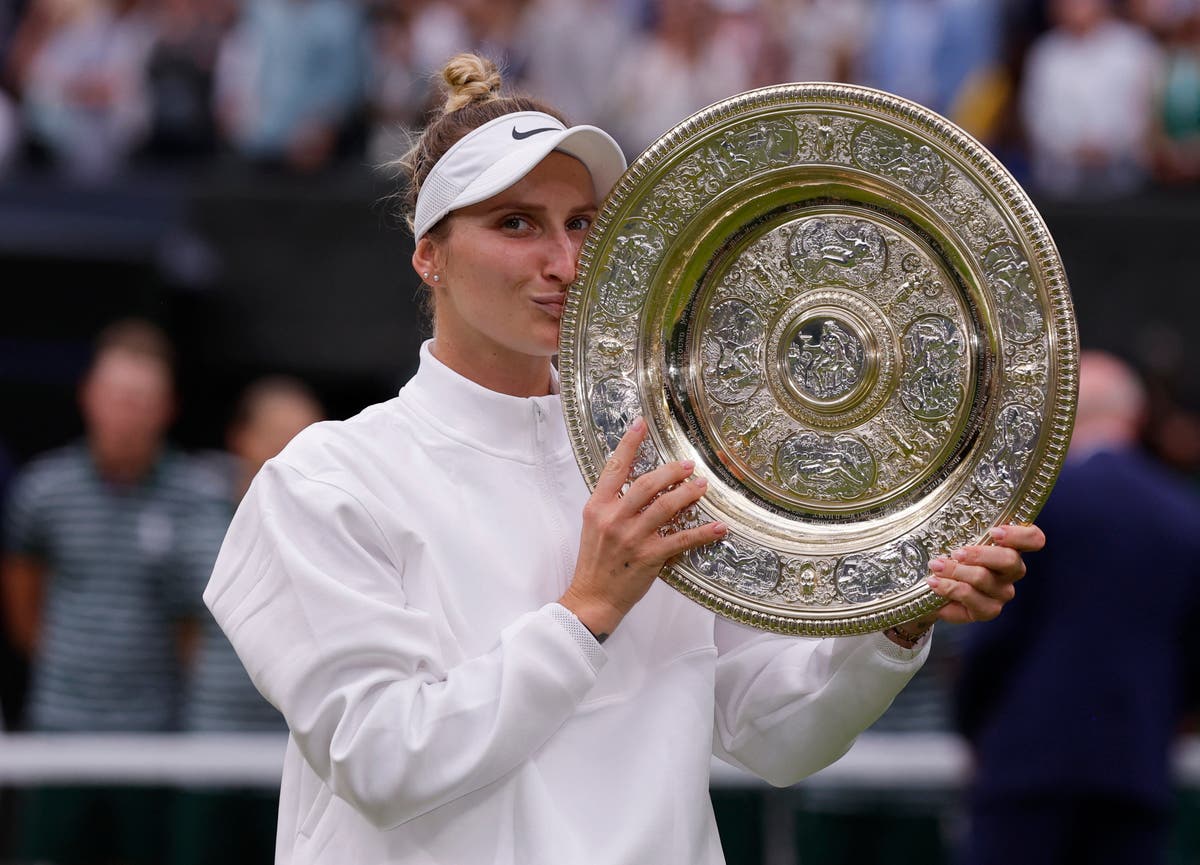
(470, 79)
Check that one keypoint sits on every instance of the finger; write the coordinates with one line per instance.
(616, 470)
(1005, 563)
(986, 582)
(643, 490)
(681, 542)
(975, 591)
(983, 580)
(956, 614)
(666, 506)
(1026, 539)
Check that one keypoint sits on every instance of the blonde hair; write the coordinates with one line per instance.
(473, 97)
(470, 78)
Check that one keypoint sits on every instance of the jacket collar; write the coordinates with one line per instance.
(521, 428)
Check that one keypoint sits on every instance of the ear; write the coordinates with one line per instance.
(427, 258)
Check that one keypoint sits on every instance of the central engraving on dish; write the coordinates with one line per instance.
(825, 359)
(831, 359)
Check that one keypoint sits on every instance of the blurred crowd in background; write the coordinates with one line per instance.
(1079, 97)
(108, 541)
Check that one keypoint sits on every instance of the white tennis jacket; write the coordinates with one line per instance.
(390, 584)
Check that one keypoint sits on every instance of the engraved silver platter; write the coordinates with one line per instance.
(852, 317)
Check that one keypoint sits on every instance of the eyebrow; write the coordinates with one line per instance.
(537, 208)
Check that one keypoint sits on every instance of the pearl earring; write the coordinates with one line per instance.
(436, 278)
(425, 275)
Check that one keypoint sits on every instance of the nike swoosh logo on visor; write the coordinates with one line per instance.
(520, 135)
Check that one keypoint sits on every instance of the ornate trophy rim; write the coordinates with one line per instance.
(1017, 213)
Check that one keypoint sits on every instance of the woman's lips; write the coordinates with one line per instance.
(552, 304)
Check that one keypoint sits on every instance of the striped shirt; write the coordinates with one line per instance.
(123, 563)
(220, 698)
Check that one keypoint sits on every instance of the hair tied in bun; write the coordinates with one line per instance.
(470, 79)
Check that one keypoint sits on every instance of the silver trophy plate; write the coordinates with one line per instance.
(852, 318)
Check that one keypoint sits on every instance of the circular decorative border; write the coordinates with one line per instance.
(1059, 355)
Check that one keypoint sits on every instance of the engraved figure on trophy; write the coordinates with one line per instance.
(933, 358)
(1017, 430)
(867, 577)
(825, 359)
(729, 161)
(758, 277)
(744, 433)
(667, 207)
(974, 212)
(915, 166)
(634, 253)
(803, 581)
(1016, 298)
(732, 368)
(823, 139)
(610, 355)
(918, 279)
(832, 468)
(766, 143)
(749, 569)
(615, 404)
(840, 250)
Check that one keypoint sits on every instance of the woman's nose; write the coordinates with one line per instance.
(562, 257)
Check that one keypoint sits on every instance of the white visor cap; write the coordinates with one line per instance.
(491, 158)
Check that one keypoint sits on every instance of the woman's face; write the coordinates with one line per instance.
(505, 264)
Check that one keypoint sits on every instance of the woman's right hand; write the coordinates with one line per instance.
(621, 549)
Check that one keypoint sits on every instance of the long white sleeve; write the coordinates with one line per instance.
(787, 707)
(312, 596)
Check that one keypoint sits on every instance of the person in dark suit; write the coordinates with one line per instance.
(1072, 698)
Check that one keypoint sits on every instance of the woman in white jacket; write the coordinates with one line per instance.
(473, 655)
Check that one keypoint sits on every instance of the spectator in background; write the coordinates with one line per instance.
(497, 28)
(930, 50)
(671, 72)
(13, 669)
(577, 41)
(1071, 699)
(105, 543)
(179, 77)
(439, 29)
(84, 90)
(397, 87)
(1177, 109)
(823, 39)
(10, 132)
(290, 81)
(1087, 102)
(237, 827)
(26, 27)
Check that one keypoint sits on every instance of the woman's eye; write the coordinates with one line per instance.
(579, 223)
(515, 223)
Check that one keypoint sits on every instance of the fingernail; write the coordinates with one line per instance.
(998, 532)
(937, 565)
(720, 528)
(959, 555)
(687, 465)
(700, 482)
(638, 424)
(934, 582)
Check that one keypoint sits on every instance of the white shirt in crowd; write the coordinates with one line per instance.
(1090, 94)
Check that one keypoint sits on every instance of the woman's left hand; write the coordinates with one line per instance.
(977, 581)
